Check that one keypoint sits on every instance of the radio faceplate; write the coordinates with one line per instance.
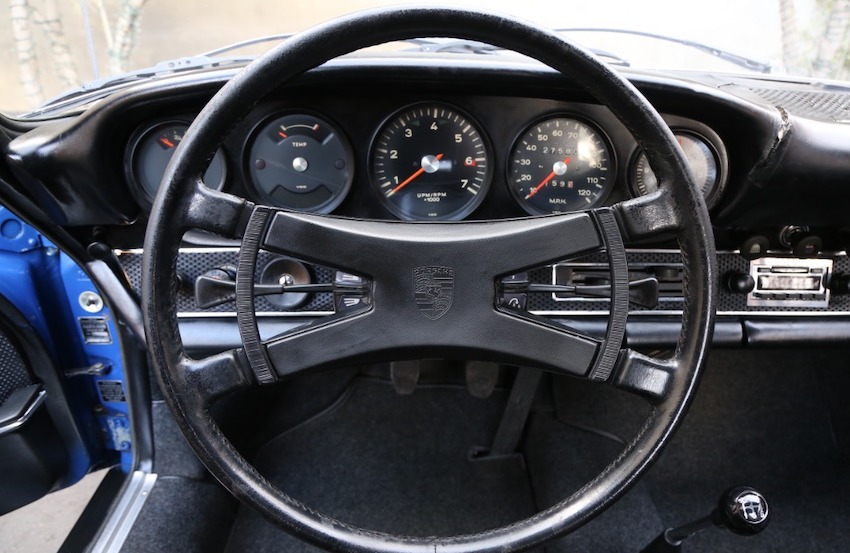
(789, 282)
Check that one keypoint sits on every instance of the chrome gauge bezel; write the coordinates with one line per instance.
(701, 132)
(140, 193)
(457, 214)
(259, 193)
(613, 162)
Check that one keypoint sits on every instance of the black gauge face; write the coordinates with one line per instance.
(429, 162)
(152, 151)
(560, 164)
(701, 159)
(300, 162)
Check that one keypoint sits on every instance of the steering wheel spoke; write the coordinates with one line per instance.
(382, 247)
(650, 216)
(648, 377)
(214, 211)
(215, 376)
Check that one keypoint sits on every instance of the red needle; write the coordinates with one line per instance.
(549, 177)
(166, 142)
(406, 181)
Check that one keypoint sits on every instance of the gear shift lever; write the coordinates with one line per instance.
(742, 510)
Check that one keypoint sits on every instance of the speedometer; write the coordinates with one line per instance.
(430, 162)
(560, 164)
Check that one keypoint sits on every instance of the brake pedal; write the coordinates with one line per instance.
(405, 376)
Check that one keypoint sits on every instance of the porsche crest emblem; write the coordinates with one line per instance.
(433, 288)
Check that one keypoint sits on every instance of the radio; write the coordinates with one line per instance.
(789, 282)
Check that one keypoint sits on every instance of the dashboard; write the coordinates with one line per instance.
(436, 138)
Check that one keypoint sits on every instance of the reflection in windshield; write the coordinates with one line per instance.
(59, 45)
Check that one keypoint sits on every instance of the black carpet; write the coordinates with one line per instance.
(182, 515)
(393, 463)
(776, 420)
(761, 419)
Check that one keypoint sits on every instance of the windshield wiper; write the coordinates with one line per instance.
(740, 61)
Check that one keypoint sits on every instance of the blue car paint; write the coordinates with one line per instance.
(45, 285)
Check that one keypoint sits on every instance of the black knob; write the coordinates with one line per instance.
(754, 247)
(742, 510)
(740, 283)
(840, 283)
(807, 246)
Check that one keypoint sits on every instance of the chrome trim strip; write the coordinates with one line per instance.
(262, 314)
(30, 411)
(117, 527)
(679, 313)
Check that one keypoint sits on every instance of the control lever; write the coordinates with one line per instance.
(219, 286)
(742, 510)
(643, 292)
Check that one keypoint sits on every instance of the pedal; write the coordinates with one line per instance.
(405, 376)
(481, 378)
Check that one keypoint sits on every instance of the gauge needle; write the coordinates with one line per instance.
(406, 181)
(166, 142)
(549, 177)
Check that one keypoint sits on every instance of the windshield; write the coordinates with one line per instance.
(53, 46)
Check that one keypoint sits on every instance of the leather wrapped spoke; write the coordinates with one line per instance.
(217, 212)
(214, 376)
(648, 377)
(649, 216)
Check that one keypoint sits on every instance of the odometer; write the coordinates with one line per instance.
(560, 164)
(430, 162)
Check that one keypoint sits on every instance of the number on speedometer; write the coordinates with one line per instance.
(560, 164)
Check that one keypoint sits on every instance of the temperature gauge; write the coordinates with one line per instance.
(300, 162)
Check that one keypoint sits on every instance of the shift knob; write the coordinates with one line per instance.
(742, 510)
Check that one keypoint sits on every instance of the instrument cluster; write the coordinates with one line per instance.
(431, 160)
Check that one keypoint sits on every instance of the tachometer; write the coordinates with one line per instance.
(560, 164)
(300, 162)
(430, 162)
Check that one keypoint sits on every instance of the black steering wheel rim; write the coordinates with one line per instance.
(182, 203)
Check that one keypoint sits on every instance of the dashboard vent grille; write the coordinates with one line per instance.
(812, 104)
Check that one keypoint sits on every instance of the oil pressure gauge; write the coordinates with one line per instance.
(560, 164)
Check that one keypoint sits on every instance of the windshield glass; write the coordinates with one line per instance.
(53, 46)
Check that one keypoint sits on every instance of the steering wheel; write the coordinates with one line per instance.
(388, 254)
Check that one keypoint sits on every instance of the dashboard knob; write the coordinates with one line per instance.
(740, 283)
(807, 246)
(754, 247)
(840, 283)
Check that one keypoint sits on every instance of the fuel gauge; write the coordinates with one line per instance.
(150, 152)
